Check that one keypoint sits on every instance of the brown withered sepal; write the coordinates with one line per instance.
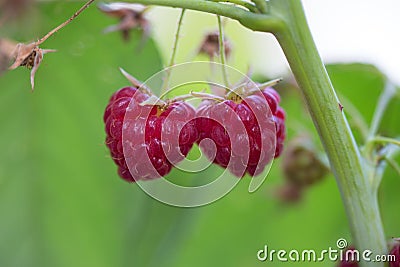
(210, 45)
(30, 56)
(131, 16)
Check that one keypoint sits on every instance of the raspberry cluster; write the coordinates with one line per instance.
(247, 132)
(246, 150)
(151, 132)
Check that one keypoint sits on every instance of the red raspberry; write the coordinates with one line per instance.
(396, 252)
(251, 148)
(153, 137)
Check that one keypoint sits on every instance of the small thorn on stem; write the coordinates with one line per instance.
(340, 106)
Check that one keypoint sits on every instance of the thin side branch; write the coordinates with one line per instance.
(392, 163)
(253, 21)
(174, 50)
(381, 106)
(251, 7)
(261, 5)
(50, 33)
(222, 51)
(177, 36)
(385, 140)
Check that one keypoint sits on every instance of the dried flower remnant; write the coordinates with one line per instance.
(131, 16)
(7, 48)
(31, 55)
(210, 45)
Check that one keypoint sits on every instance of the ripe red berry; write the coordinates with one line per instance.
(395, 251)
(147, 138)
(247, 149)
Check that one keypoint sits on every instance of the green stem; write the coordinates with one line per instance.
(177, 35)
(251, 7)
(174, 50)
(380, 159)
(383, 103)
(222, 52)
(261, 5)
(360, 200)
(256, 22)
(392, 163)
(384, 140)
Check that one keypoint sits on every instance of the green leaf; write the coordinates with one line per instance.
(61, 200)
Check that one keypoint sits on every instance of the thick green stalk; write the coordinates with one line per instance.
(359, 198)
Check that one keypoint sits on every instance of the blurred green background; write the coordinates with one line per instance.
(63, 204)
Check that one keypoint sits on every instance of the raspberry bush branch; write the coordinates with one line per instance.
(286, 20)
(349, 168)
